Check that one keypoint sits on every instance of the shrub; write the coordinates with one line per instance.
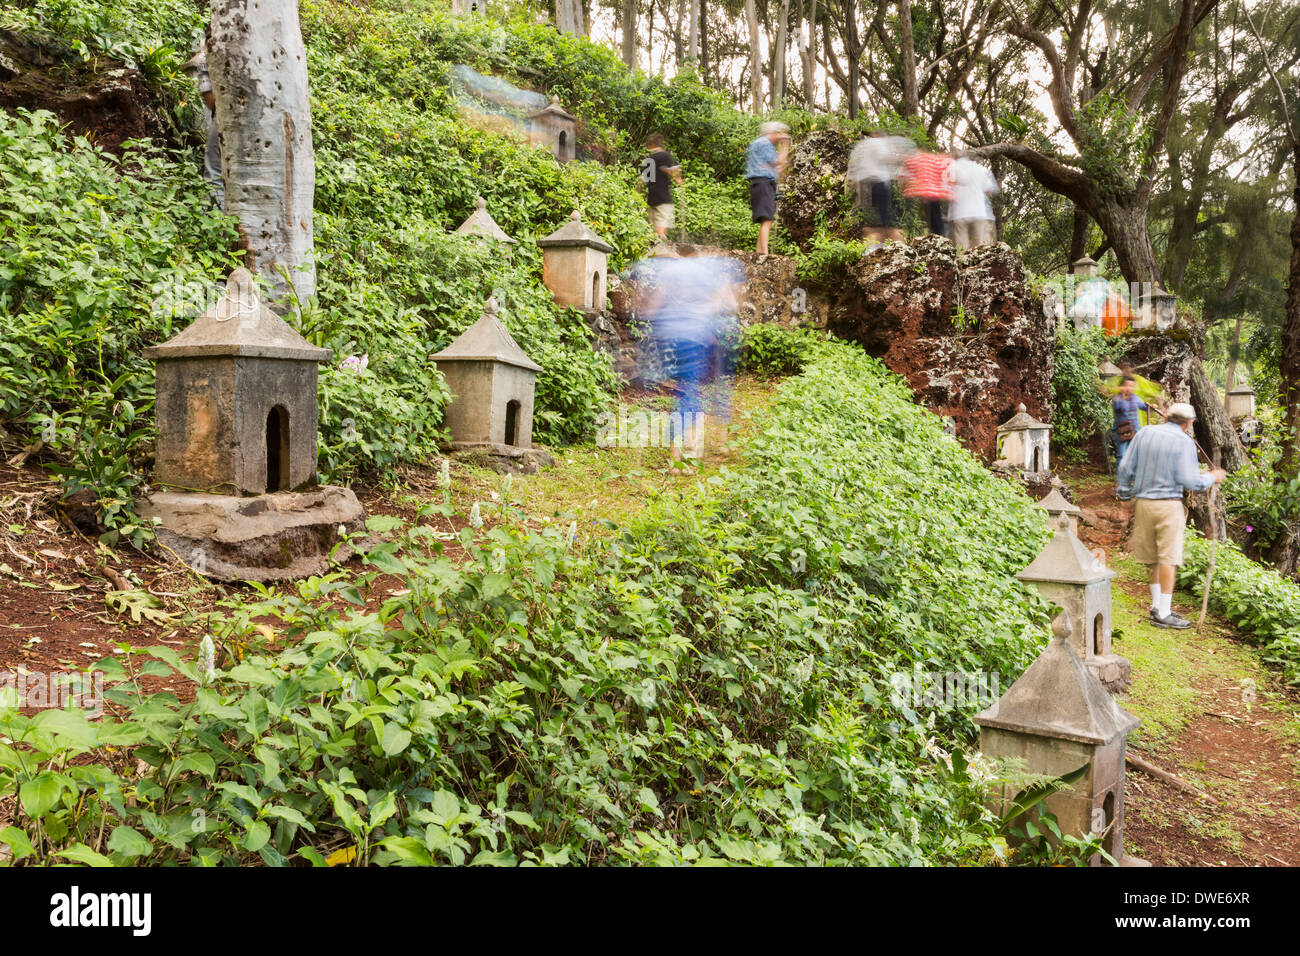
(776, 349)
(1255, 598)
(1081, 411)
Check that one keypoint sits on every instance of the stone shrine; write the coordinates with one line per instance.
(1025, 443)
(481, 224)
(555, 128)
(574, 263)
(492, 384)
(1059, 720)
(1055, 504)
(1070, 576)
(236, 454)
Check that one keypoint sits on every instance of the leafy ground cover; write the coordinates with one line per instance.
(710, 684)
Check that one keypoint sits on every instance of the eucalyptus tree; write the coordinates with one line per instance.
(258, 69)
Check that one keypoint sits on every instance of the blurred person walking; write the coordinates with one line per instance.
(971, 213)
(925, 179)
(660, 170)
(765, 162)
(873, 166)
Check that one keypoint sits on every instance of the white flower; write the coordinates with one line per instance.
(207, 659)
(572, 535)
(505, 486)
(803, 670)
(498, 560)
(937, 753)
(476, 516)
(444, 477)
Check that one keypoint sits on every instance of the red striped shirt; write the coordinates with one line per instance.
(927, 176)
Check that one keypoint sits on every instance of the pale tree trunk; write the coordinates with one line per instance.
(629, 33)
(755, 68)
(568, 17)
(693, 39)
(259, 80)
(810, 58)
(778, 79)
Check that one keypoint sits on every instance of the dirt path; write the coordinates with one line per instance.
(1212, 715)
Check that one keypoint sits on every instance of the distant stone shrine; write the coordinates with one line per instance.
(1241, 402)
(1158, 310)
(236, 453)
(492, 383)
(1055, 504)
(1058, 719)
(574, 262)
(1025, 443)
(555, 128)
(481, 224)
(1085, 268)
(1068, 575)
(469, 8)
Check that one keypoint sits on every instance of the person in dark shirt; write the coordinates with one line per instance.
(660, 170)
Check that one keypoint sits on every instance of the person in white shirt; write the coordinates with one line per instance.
(971, 213)
(873, 165)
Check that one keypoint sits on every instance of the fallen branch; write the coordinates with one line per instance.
(119, 583)
(20, 459)
(1137, 763)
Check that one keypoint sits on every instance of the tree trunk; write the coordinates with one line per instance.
(1126, 229)
(1288, 465)
(1213, 427)
(568, 17)
(755, 66)
(259, 80)
(810, 59)
(907, 49)
(778, 80)
(1078, 236)
(693, 41)
(704, 41)
(629, 33)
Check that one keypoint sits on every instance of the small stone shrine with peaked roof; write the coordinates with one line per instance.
(1061, 722)
(480, 223)
(236, 455)
(1067, 574)
(492, 383)
(1024, 443)
(574, 263)
(555, 128)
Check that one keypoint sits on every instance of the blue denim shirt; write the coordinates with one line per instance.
(1160, 463)
(1126, 409)
(760, 159)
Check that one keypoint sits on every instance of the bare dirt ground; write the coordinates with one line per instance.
(1223, 723)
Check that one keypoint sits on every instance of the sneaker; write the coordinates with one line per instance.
(1170, 620)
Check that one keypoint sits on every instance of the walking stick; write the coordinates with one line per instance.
(1209, 570)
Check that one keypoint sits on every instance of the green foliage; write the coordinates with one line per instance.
(1255, 598)
(827, 258)
(709, 211)
(1254, 495)
(1081, 411)
(776, 349)
(91, 276)
(712, 684)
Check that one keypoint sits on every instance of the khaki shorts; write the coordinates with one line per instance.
(1158, 531)
(967, 233)
(661, 216)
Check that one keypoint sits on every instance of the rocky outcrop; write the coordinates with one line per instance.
(813, 188)
(961, 327)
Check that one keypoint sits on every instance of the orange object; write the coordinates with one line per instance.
(1115, 314)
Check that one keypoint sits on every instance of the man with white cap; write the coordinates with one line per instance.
(764, 164)
(1158, 467)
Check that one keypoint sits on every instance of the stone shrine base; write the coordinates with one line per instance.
(505, 459)
(275, 537)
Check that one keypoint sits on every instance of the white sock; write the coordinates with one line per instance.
(1163, 608)
(1155, 595)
